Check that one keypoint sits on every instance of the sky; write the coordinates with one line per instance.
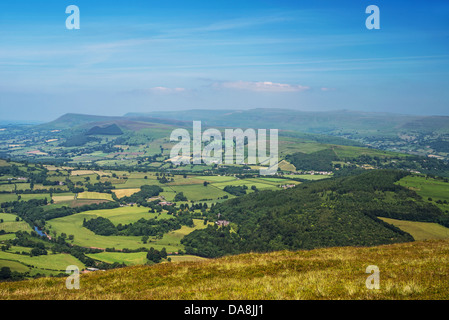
(143, 56)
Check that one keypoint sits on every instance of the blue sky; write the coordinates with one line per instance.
(140, 56)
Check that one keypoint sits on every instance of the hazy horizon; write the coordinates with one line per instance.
(32, 122)
(145, 56)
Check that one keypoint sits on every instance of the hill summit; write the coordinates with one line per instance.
(416, 270)
(112, 129)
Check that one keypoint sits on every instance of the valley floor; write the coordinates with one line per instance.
(414, 270)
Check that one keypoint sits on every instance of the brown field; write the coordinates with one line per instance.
(80, 202)
(87, 172)
(120, 193)
(57, 199)
(286, 166)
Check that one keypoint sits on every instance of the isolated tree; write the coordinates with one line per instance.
(5, 273)
(163, 253)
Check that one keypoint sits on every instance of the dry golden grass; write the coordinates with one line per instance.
(417, 270)
(120, 193)
(286, 166)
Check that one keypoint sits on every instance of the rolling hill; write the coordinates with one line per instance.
(423, 135)
(85, 121)
(323, 122)
(332, 212)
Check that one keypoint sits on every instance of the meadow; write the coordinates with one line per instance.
(420, 230)
(73, 225)
(430, 189)
(10, 224)
(50, 264)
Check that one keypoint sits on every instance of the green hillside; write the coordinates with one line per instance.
(331, 212)
(423, 135)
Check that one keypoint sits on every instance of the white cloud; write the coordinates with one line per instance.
(265, 86)
(166, 90)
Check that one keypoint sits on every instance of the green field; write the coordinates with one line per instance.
(258, 183)
(213, 179)
(124, 215)
(353, 152)
(6, 197)
(420, 230)
(137, 258)
(10, 224)
(7, 187)
(26, 197)
(8, 236)
(72, 225)
(130, 259)
(308, 176)
(49, 264)
(8, 217)
(14, 265)
(137, 183)
(291, 145)
(428, 188)
(199, 192)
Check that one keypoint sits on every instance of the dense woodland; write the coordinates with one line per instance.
(333, 212)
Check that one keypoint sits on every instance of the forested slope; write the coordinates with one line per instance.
(332, 212)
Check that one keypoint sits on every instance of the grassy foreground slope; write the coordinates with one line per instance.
(416, 270)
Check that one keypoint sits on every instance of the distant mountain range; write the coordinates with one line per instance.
(85, 121)
(323, 122)
(422, 135)
(306, 121)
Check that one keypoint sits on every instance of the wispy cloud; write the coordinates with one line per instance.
(265, 86)
(165, 90)
(157, 91)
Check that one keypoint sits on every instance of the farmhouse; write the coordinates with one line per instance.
(156, 198)
(286, 186)
(222, 223)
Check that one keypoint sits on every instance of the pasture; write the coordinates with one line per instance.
(428, 188)
(49, 264)
(130, 258)
(420, 230)
(73, 225)
(10, 224)
(199, 192)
